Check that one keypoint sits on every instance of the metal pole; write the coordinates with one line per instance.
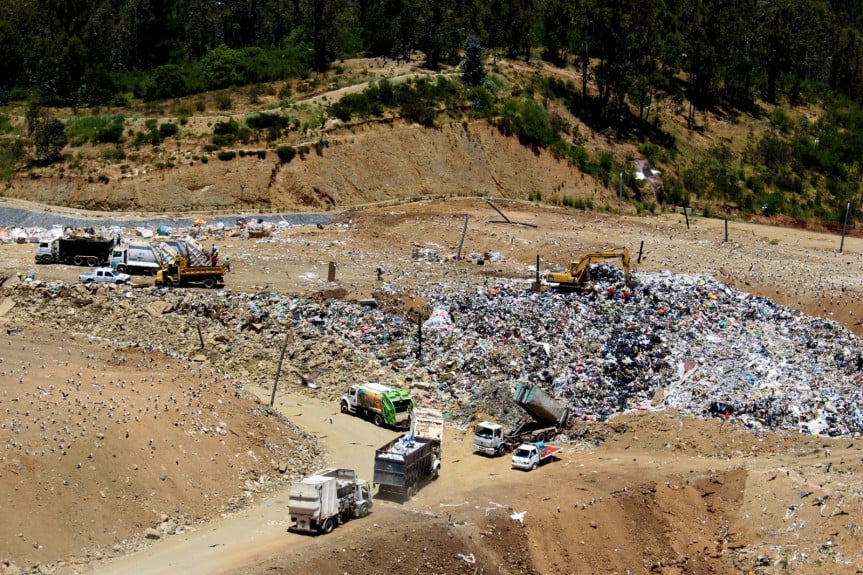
(279, 370)
(686, 215)
(726, 230)
(844, 225)
(640, 248)
(620, 197)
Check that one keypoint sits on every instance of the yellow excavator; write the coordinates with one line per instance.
(579, 272)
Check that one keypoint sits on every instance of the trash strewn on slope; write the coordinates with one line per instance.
(674, 341)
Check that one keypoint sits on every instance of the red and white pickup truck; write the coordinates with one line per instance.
(529, 456)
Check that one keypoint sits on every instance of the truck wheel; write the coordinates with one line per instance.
(363, 510)
(46, 260)
(121, 268)
(209, 283)
(378, 419)
(540, 437)
(78, 260)
(501, 450)
(533, 466)
(345, 407)
(411, 491)
(174, 282)
(328, 526)
(92, 262)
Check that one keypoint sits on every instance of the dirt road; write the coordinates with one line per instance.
(260, 532)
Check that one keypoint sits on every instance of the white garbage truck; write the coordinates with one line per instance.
(326, 498)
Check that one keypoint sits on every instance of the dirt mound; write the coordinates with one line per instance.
(102, 443)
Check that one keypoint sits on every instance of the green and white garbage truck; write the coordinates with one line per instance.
(380, 403)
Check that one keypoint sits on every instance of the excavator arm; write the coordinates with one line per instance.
(578, 270)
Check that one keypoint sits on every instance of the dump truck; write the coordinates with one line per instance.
(546, 419)
(326, 498)
(178, 273)
(407, 462)
(579, 272)
(80, 251)
(529, 456)
(380, 403)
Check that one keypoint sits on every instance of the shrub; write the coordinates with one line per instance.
(167, 130)
(223, 101)
(225, 128)
(226, 155)
(285, 153)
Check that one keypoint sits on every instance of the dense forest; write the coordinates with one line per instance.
(711, 54)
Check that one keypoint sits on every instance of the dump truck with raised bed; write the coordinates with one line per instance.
(404, 464)
(547, 419)
(379, 403)
(178, 273)
(79, 251)
(529, 456)
(324, 499)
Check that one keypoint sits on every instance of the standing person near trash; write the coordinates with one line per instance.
(227, 263)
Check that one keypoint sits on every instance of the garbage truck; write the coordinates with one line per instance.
(141, 258)
(407, 462)
(380, 403)
(80, 251)
(546, 419)
(326, 498)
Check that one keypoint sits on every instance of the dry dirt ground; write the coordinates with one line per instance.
(134, 439)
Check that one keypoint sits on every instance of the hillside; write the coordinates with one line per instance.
(341, 165)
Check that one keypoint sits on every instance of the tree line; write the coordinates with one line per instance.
(713, 52)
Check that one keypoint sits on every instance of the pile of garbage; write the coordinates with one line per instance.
(685, 342)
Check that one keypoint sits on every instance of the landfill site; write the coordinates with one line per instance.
(705, 377)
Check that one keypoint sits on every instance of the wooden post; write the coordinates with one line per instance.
(686, 215)
(726, 230)
(331, 272)
(419, 336)
(537, 286)
(279, 370)
(640, 249)
(200, 336)
(844, 225)
(461, 241)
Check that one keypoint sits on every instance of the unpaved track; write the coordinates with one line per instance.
(259, 532)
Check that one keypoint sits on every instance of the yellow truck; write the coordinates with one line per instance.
(178, 273)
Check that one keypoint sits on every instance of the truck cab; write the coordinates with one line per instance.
(488, 438)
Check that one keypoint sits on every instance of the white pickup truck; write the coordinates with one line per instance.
(529, 456)
(104, 275)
